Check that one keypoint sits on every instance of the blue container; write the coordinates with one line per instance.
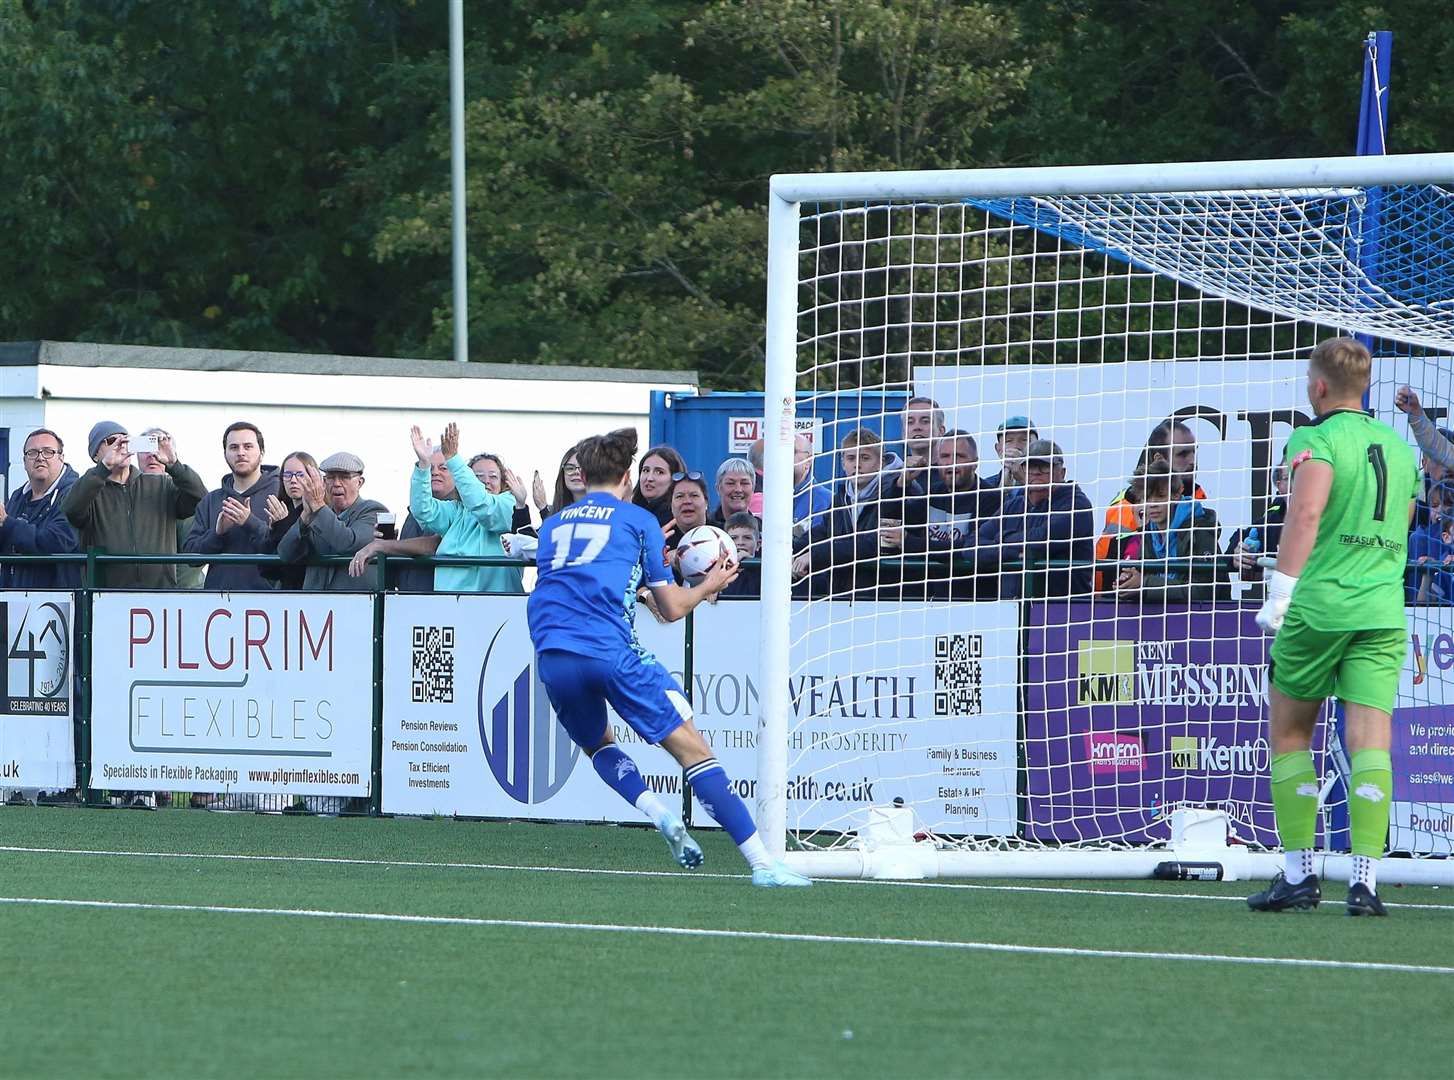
(710, 428)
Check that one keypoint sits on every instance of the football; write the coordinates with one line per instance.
(700, 548)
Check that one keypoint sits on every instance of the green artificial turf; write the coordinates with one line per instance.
(127, 992)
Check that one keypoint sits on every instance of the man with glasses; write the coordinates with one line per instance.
(1047, 520)
(120, 509)
(334, 521)
(233, 520)
(31, 522)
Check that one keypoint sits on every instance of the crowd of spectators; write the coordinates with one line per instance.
(914, 519)
(905, 520)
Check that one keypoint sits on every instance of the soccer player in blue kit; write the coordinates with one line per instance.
(594, 555)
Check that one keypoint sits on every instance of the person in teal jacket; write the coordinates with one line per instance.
(471, 526)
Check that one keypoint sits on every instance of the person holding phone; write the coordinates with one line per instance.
(144, 446)
(120, 509)
(233, 519)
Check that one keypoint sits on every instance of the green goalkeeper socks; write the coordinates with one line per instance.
(1368, 802)
(1295, 799)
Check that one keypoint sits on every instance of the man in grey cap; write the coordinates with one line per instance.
(122, 510)
(334, 521)
(1047, 520)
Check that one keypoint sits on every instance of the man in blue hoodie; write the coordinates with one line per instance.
(31, 522)
(233, 520)
(842, 553)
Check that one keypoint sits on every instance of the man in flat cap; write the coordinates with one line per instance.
(122, 510)
(334, 521)
(1049, 520)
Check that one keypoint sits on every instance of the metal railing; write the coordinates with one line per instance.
(94, 563)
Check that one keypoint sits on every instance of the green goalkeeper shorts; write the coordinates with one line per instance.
(1358, 666)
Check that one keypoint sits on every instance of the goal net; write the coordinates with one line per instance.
(1008, 613)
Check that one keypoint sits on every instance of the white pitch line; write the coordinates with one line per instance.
(680, 875)
(1135, 894)
(743, 935)
(337, 860)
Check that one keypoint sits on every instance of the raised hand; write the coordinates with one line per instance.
(314, 492)
(240, 510)
(276, 509)
(166, 451)
(516, 486)
(423, 448)
(116, 454)
(232, 513)
(537, 492)
(449, 441)
(1408, 402)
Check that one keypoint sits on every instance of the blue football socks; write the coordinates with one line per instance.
(619, 771)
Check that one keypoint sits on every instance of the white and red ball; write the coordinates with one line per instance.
(700, 548)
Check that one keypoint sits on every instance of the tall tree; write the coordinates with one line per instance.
(615, 205)
(176, 169)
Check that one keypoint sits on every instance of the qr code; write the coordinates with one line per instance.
(433, 681)
(958, 674)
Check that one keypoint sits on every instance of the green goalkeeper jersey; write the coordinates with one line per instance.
(1353, 580)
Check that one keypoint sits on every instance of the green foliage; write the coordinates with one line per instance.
(176, 170)
(275, 173)
(615, 201)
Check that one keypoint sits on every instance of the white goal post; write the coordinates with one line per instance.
(1094, 304)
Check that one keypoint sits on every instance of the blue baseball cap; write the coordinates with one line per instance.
(1017, 422)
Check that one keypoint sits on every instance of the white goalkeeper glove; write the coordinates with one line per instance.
(1274, 608)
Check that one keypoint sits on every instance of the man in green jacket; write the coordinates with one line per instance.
(123, 511)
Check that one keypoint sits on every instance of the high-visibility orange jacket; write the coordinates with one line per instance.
(1122, 518)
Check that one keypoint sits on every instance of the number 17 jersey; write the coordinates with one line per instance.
(593, 556)
(1353, 579)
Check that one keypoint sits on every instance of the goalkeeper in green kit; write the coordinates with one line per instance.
(1336, 604)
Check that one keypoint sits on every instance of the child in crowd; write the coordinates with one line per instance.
(1431, 545)
(742, 527)
(1172, 530)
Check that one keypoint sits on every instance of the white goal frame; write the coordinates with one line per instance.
(788, 192)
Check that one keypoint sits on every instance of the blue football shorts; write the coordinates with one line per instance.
(643, 694)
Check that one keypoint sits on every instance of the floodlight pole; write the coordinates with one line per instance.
(456, 162)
